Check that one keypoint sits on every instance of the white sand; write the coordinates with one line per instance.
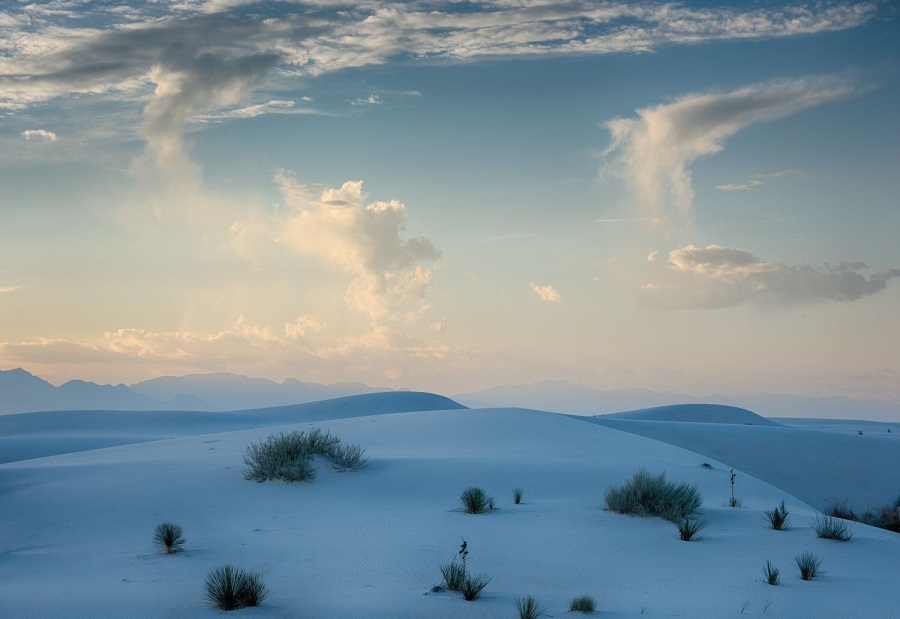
(77, 528)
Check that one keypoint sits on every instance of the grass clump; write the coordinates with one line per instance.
(840, 509)
(454, 573)
(517, 495)
(653, 495)
(169, 537)
(228, 588)
(475, 501)
(771, 573)
(530, 608)
(885, 517)
(290, 456)
(582, 604)
(473, 585)
(778, 517)
(809, 564)
(688, 528)
(827, 527)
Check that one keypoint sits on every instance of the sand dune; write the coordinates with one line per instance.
(76, 540)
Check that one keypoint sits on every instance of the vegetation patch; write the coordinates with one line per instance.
(653, 495)
(530, 608)
(476, 501)
(582, 604)
(289, 456)
(809, 564)
(169, 537)
(778, 517)
(228, 588)
(827, 527)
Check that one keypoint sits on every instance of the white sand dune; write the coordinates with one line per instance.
(76, 540)
(697, 413)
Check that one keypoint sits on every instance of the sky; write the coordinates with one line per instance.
(697, 196)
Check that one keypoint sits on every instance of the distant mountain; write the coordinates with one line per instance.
(224, 391)
(566, 397)
(21, 391)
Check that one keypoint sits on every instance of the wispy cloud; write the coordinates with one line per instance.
(716, 276)
(5, 289)
(547, 294)
(655, 221)
(370, 100)
(39, 135)
(757, 180)
(653, 151)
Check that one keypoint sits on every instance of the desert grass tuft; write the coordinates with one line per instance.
(169, 537)
(809, 564)
(289, 457)
(778, 517)
(454, 575)
(530, 608)
(473, 585)
(517, 495)
(688, 528)
(652, 495)
(827, 527)
(771, 573)
(475, 501)
(349, 457)
(840, 509)
(582, 604)
(228, 588)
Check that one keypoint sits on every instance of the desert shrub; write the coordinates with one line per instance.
(885, 517)
(840, 509)
(530, 608)
(290, 456)
(809, 564)
(827, 527)
(454, 574)
(706, 465)
(349, 457)
(778, 517)
(582, 604)
(473, 585)
(689, 528)
(652, 495)
(228, 588)
(169, 536)
(475, 501)
(517, 495)
(771, 573)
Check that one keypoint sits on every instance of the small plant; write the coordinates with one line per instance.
(886, 517)
(840, 509)
(475, 501)
(454, 573)
(349, 457)
(706, 465)
(771, 573)
(778, 517)
(473, 585)
(169, 536)
(582, 604)
(530, 608)
(689, 528)
(810, 565)
(517, 495)
(652, 495)
(827, 527)
(228, 588)
(290, 456)
(734, 502)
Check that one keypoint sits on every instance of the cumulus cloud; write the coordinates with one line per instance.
(370, 100)
(366, 241)
(547, 294)
(39, 135)
(716, 276)
(303, 326)
(653, 151)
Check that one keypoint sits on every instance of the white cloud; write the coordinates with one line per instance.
(366, 241)
(757, 180)
(304, 325)
(547, 294)
(651, 257)
(439, 326)
(7, 289)
(39, 135)
(653, 151)
(370, 100)
(716, 276)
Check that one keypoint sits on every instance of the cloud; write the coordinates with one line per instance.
(439, 326)
(39, 135)
(651, 257)
(757, 180)
(370, 100)
(6, 289)
(716, 277)
(388, 272)
(304, 325)
(547, 294)
(653, 151)
(653, 221)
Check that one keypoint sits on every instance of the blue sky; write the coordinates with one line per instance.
(451, 195)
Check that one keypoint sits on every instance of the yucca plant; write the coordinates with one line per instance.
(827, 527)
(778, 517)
(582, 604)
(652, 495)
(809, 564)
(771, 573)
(475, 501)
(530, 608)
(473, 585)
(228, 588)
(169, 537)
(688, 528)
(517, 495)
